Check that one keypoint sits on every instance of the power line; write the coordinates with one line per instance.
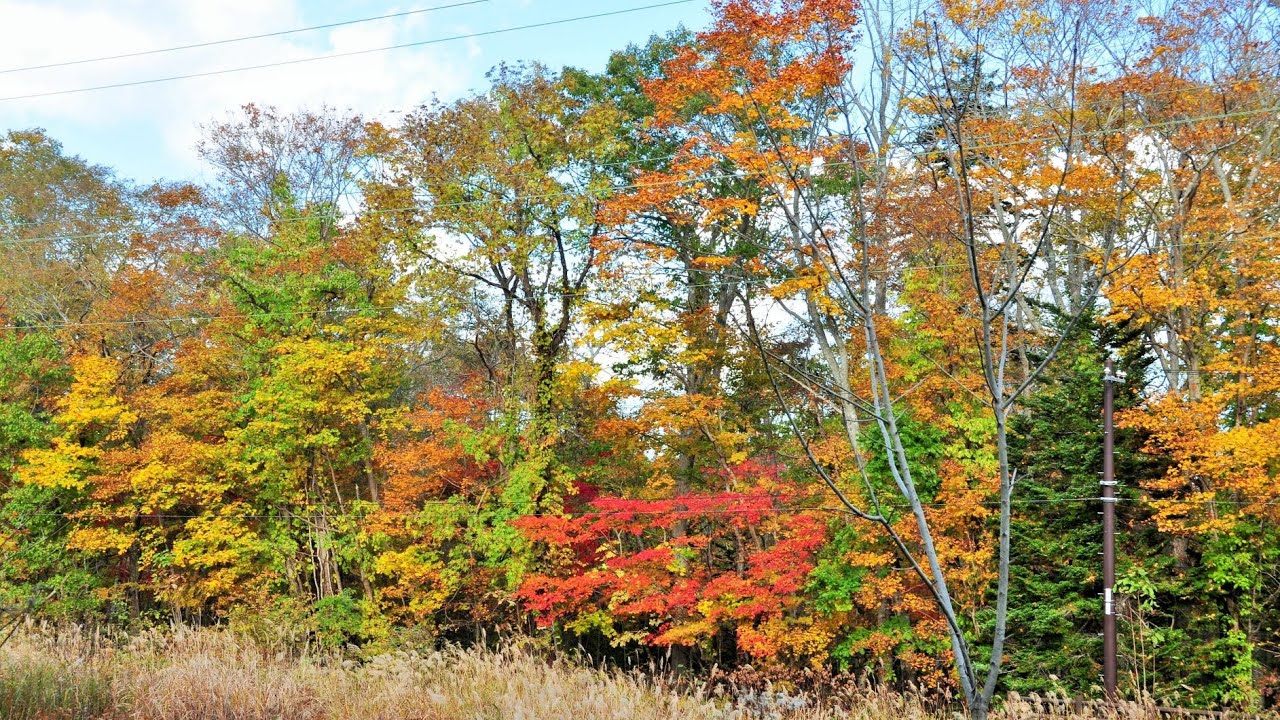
(274, 313)
(242, 38)
(742, 174)
(703, 178)
(658, 158)
(200, 318)
(758, 281)
(644, 275)
(775, 510)
(361, 213)
(351, 53)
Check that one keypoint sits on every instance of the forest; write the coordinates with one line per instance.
(778, 344)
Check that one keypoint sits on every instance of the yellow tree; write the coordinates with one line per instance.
(509, 183)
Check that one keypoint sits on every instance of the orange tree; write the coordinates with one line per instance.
(838, 212)
(1197, 146)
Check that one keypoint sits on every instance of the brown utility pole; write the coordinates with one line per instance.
(1108, 534)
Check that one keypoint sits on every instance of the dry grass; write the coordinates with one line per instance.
(215, 675)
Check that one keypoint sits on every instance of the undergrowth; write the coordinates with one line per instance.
(186, 674)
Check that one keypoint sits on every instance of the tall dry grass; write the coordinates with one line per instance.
(215, 675)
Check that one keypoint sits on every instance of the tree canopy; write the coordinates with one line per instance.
(778, 342)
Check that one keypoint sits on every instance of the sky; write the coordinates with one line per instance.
(149, 131)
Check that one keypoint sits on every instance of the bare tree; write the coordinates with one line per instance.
(312, 156)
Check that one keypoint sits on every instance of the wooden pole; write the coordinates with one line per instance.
(1108, 535)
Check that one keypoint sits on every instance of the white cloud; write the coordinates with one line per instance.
(34, 32)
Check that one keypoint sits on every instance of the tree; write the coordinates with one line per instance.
(317, 155)
(64, 222)
(509, 186)
(1203, 135)
(779, 92)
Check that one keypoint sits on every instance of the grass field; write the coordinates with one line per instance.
(215, 675)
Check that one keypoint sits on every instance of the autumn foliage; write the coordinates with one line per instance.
(762, 346)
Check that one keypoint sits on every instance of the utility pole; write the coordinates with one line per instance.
(1108, 534)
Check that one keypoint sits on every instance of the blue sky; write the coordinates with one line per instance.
(149, 131)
